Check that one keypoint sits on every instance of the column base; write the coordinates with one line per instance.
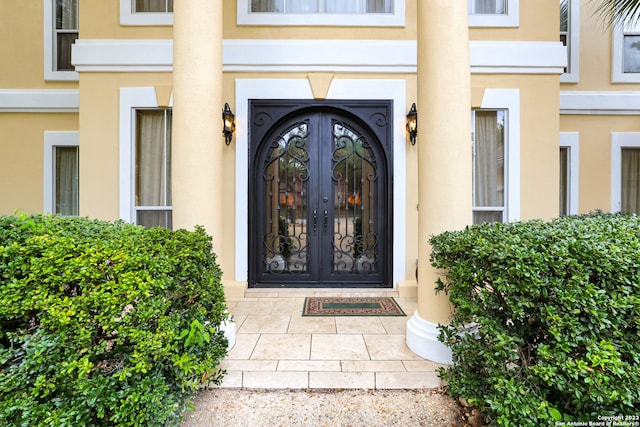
(422, 339)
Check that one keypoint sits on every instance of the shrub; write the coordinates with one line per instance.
(105, 323)
(546, 317)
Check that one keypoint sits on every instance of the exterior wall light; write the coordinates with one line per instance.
(228, 123)
(412, 124)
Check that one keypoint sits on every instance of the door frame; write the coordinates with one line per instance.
(375, 119)
(300, 88)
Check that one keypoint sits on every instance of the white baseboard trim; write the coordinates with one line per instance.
(422, 339)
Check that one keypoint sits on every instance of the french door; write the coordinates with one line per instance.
(319, 202)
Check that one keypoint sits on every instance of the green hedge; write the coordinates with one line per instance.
(547, 318)
(105, 323)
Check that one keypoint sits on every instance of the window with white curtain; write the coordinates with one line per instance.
(66, 33)
(487, 7)
(61, 172)
(153, 167)
(630, 180)
(322, 6)
(352, 13)
(489, 167)
(494, 13)
(160, 6)
(65, 192)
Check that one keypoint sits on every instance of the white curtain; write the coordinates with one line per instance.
(631, 180)
(486, 7)
(488, 161)
(150, 164)
(66, 189)
(341, 6)
(313, 6)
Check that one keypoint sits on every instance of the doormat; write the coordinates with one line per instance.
(351, 306)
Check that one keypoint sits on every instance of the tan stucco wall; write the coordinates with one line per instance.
(22, 158)
(102, 21)
(595, 155)
(539, 21)
(539, 139)
(22, 65)
(233, 31)
(99, 138)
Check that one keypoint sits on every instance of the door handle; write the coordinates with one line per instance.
(326, 219)
(315, 220)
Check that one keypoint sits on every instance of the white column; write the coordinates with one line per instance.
(444, 156)
(197, 125)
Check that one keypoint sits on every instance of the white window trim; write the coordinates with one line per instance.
(620, 140)
(617, 62)
(130, 18)
(571, 141)
(510, 19)
(508, 99)
(573, 76)
(50, 73)
(54, 139)
(392, 89)
(131, 98)
(395, 19)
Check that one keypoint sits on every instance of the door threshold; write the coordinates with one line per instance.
(319, 292)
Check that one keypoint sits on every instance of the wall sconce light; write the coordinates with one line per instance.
(228, 123)
(412, 123)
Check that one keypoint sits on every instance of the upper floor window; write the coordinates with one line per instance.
(146, 12)
(570, 37)
(321, 12)
(626, 53)
(60, 32)
(144, 6)
(494, 13)
(322, 6)
(487, 7)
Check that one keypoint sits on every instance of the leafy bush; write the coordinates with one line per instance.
(105, 324)
(546, 319)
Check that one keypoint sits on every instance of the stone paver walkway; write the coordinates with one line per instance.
(278, 348)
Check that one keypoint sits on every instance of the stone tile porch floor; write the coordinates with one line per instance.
(276, 347)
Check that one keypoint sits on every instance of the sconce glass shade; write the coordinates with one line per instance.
(228, 123)
(412, 124)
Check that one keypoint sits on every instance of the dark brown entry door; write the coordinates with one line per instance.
(320, 203)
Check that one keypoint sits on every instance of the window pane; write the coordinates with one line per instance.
(564, 15)
(487, 7)
(341, 6)
(631, 54)
(67, 14)
(155, 219)
(153, 154)
(161, 6)
(484, 216)
(379, 6)
(322, 6)
(66, 180)
(488, 161)
(301, 6)
(630, 180)
(564, 181)
(63, 51)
